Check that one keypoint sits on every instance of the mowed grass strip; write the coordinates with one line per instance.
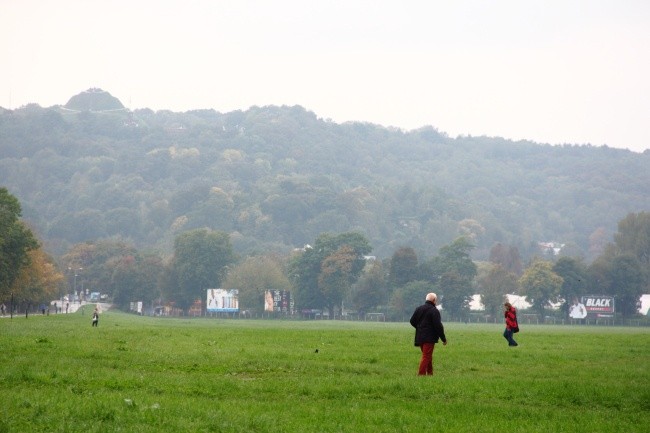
(142, 374)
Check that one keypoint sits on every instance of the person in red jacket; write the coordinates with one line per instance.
(510, 315)
(428, 331)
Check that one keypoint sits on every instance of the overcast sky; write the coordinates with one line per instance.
(563, 71)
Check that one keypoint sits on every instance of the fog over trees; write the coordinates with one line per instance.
(128, 196)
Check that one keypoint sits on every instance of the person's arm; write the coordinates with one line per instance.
(438, 327)
(414, 319)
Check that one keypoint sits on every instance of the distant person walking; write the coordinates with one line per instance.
(95, 317)
(428, 331)
(512, 326)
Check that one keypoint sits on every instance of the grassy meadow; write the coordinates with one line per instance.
(143, 374)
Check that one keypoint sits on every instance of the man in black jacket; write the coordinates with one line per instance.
(428, 331)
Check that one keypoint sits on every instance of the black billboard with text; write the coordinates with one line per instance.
(598, 306)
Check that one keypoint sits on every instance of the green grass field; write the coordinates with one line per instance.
(142, 374)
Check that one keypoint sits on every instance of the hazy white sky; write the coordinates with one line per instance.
(552, 71)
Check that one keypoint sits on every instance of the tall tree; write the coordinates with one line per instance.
(456, 271)
(16, 241)
(253, 277)
(623, 268)
(314, 291)
(406, 298)
(541, 285)
(200, 259)
(574, 279)
(336, 277)
(136, 278)
(39, 280)
(94, 263)
(456, 293)
(508, 257)
(370, 290)
(628, 285)
(304, 269)
(495, 284)
(403, 266)
(633, 237)
(597, 242)
(456, 257)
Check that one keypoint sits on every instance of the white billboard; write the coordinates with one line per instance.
(222, 301)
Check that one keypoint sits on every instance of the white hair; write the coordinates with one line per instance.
(431, 297)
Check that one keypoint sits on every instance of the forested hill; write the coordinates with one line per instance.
(276, 177)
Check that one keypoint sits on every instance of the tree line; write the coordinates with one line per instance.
(335, 273)
(275, 178)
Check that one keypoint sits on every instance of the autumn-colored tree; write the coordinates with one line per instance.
(39, 281)
(597, 242)
(94, 263)
(471, 229)
(306, 267)
(508, 257)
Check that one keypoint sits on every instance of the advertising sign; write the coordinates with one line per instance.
(222, 301)
(577, 310)
(598, 306)
(278, 301)
(136, 307)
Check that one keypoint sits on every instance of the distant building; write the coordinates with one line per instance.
(550, 248)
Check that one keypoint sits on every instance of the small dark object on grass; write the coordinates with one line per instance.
(316, 351)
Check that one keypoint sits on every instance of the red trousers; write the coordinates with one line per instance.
(426, 363)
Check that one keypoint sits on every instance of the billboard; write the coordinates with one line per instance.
(136, 307)
(598, 306)
(577, 310)
(222, 301)
(278, 301)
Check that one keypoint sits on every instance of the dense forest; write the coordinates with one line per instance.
(274, 178)
(160, 206)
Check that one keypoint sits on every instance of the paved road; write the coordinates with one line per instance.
(88, 306)
(72, 308)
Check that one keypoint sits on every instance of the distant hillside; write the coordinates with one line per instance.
(276, 177)
(94, 100)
